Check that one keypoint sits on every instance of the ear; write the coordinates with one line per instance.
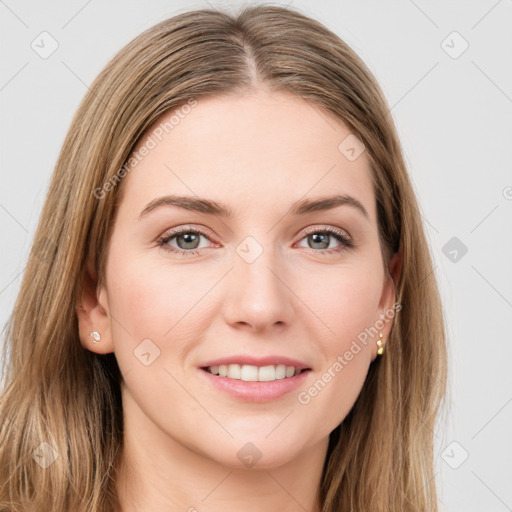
(388, 297)
(92, 312)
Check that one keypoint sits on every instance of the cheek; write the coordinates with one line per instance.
(331, 394)
(348, 305)
(346, 300)
(153, 300)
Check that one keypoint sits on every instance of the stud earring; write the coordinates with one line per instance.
(95, 336)
(380, 344)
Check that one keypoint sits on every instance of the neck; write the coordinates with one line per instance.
(156, 472)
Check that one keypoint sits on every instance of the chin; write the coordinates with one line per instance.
(257, 454)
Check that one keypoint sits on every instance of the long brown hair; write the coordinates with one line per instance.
(61, 400)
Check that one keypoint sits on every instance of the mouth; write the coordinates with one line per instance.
(251, 373)
(250, 383)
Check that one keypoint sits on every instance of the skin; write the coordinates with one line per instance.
(257, 154)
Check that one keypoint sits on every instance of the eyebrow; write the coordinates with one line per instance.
(209, 207)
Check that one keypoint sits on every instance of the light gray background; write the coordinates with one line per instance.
(454, 117)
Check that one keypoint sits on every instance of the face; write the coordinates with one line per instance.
(254, 277)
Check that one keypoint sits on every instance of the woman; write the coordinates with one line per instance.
(230, 300)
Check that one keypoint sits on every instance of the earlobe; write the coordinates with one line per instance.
(93, 319)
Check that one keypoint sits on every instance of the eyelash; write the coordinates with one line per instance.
(336, 233)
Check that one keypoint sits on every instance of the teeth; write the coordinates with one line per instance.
(252, 373)
(280, 371)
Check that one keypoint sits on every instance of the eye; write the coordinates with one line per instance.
(321, 239)
(187, 241)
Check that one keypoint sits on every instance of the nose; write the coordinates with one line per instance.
(258, 294)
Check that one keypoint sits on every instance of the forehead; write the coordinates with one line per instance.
(258, 149)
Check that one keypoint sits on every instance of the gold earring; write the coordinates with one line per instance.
(95, 336)
(380, 344)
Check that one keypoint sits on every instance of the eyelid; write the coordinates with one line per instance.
(319, 228)
(187, 228)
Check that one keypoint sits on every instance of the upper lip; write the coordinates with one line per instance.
(257, 361)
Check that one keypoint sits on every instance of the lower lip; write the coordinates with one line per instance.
(256, 391)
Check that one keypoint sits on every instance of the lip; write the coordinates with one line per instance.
(257, 361)
(254, 391)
